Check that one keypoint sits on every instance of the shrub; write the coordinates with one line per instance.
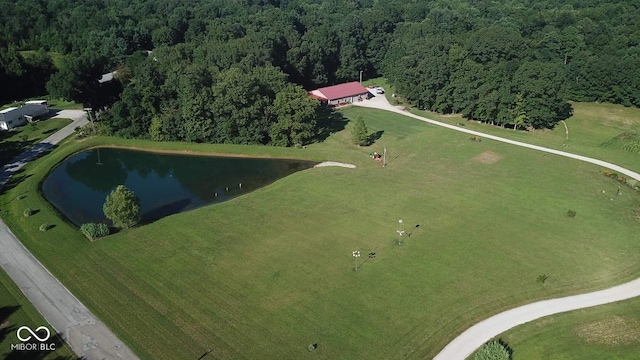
(631, 183)
(542, 278)
(45, 227)
(475, 138)
(27, 212)
(571, 213)
(494, 350)
(94, 231)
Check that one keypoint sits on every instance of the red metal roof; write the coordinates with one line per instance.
(341, 91)
(317, 97)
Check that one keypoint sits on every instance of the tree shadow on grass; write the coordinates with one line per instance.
(8, 172)
(5, 313)
(13, 181)
(47, 132)
(375, 136)
(329, 122)
(165, 210)
(50, 227)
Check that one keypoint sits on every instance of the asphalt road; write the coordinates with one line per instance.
(87, 336)
(466, 343)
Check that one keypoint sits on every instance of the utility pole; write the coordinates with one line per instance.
(89, 111)
(384, 157)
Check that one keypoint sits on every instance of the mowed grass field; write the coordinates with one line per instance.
(266, 274)
(605, 332)
(17, 311)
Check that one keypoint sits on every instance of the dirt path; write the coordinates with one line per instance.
(466, 343)
(88, 337)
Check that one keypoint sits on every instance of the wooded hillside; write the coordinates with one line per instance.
(234, 71)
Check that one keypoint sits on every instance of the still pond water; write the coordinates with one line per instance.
(165, 183)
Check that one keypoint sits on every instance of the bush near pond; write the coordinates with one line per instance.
(93, 231)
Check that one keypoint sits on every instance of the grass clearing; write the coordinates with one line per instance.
(17, 311)
(56, 57)
(267, 274)
(609, 331)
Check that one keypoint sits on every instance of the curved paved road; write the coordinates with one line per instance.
(466, 343)
(87, 336)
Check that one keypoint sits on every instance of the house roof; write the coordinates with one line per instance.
(107, 77)
(37, 102)
(7, 110)
(339, 91)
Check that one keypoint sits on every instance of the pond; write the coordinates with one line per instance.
(165, 183)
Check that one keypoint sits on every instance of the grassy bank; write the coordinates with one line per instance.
(266, 274)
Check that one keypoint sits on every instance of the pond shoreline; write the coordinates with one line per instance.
(192, 152)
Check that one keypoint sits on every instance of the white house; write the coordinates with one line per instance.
(16, 116)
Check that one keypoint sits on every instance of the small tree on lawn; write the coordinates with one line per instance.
(494, 350)
(122, 207)
(359, 133)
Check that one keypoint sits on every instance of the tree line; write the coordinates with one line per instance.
(518, 65)
(235, 71)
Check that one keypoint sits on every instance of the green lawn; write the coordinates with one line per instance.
(17, 311)
(605, 332)
(16, 141)
(266, 274)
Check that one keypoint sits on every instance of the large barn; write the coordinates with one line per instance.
(16, 116)
(341, 94)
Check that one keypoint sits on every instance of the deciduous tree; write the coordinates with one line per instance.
(122, 207)
(295, 115)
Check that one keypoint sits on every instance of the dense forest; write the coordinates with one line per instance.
(237, 71)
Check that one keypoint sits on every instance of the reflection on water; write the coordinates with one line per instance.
(165, 183)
